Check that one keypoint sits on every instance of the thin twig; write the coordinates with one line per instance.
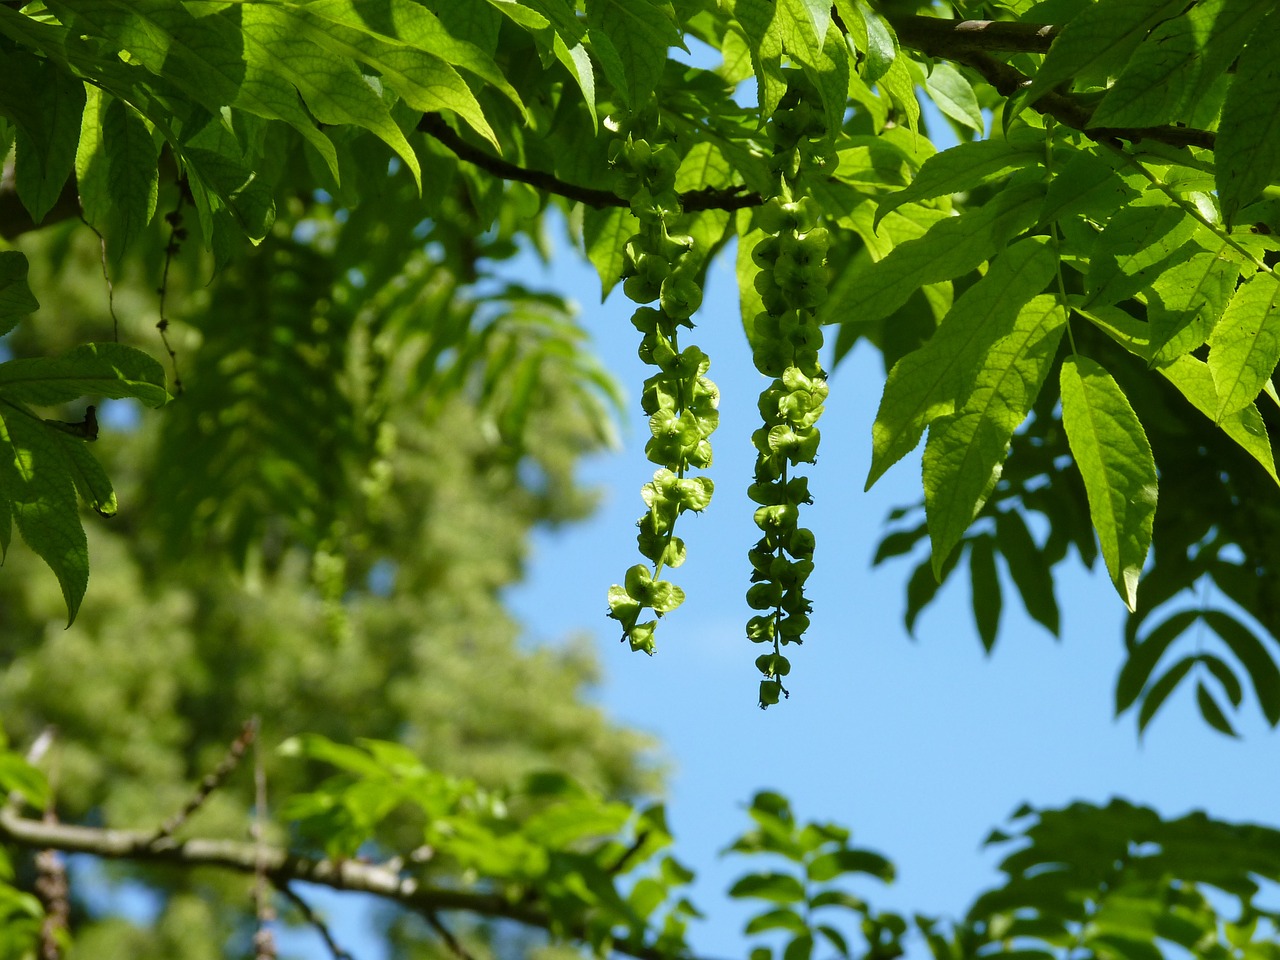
(316, 921)
(450, 941)
(211, 782)
(177, 233)
(737, 198)
(264, 944)
(106, 276)
(51, 886)
(628, 854)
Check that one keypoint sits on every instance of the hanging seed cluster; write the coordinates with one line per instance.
(679, 399)
(787, 337)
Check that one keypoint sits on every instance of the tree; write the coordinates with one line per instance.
(1078, 308)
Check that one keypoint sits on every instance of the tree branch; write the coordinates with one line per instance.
(968, 42)
(433, 125)
(928, 34)
(282, 867)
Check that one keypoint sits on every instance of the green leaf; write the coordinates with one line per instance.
(1225, 676)
(16, 299)
(91, 369)
(800, 948)
(638, 32)
(963, 456)
(954, 96)
(1156, 85)
(211, 59)
(965, 167)
(408, 37)
(1211, 712)
(1161, 689)
(45, 102)
(1114, 457)
(951, 247)
(1248, 144)
(42, 497)
(19, 776)
(1186, 301)
(764, 39)
(985, 586)
(1087, 183)
(926, 383)
(1194, 380)
(320, 62)
(774, 887)
(412, 52)
(880, 47)
(780, 919)
(605, 233)
(1028, 568)
(1245, 345)
(828, 68)
(1135, 246)
(817, 17)
(87, 474)
(1144, 656)
(1097, 41)
(578, 62)
(1254, 655)
(116, 171)
(831, 865)
(898, 83)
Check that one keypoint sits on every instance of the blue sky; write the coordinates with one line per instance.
(920, 747)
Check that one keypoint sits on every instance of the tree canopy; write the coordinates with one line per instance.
(280, 224)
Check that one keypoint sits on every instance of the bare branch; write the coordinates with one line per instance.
(283, 867)
(211, 782)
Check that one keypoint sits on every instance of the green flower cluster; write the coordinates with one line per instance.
(786, 338)
(681, 402)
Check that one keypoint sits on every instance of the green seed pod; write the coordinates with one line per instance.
(760, 629)
(640, 289)
(770, 359)
(792, 628)
(646, 319)
(773, 665)
(802, 543)
(764, 596)
(770, 692)
(764, 253)
(681, 297)
(638, 583)
(780, 516)
(641, 637)
(700, 455)
(767, 494)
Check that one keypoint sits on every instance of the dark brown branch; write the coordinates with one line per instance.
(453, 943)
(433, 125)
(316, 921)
(967, 42)
(283, 867)
(950, 37)
(1067, 110)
